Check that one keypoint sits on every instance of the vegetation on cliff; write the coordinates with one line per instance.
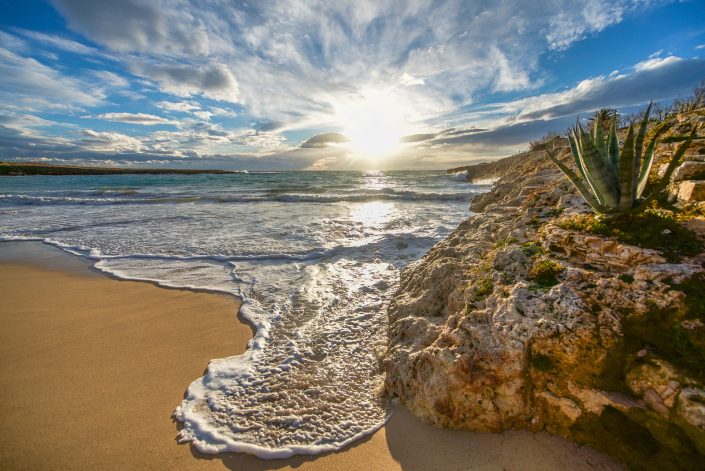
(537, 314)
(612, 180)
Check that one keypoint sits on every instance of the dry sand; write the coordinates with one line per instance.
(91, 369)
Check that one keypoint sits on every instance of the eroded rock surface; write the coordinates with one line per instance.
(612, 354)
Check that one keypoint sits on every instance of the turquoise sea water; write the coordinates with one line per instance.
(315, 256)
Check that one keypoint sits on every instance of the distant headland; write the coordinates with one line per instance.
(34, 168)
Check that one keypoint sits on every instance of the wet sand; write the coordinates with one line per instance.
(91, 369)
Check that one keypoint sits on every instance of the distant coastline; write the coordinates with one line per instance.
(32, 168)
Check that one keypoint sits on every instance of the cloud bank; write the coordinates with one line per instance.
(263, 83)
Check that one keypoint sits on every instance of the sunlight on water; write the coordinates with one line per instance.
(315, 257)
(372, 213)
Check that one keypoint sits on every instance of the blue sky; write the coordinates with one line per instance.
(326, 85)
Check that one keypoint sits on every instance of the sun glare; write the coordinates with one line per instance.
(374, 124)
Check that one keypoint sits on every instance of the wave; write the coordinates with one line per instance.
(142, 198)
(313, 289)
(460, 176)
(386, 242)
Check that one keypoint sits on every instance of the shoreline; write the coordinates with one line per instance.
(93, 368)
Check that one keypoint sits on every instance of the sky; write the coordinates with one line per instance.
(301, 85)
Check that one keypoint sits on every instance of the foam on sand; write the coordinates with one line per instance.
(314, 269)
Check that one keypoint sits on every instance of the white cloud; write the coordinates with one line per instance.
(218, 111)
(261, 140)
(111, 79)
(508, 78)
(24, 121)
(215, 81)
(27, 82)
(409, 80)
(291, 65)
(59, 42)
(109, 142)
(516, 122)
(204, 115)
(181, 106)
(12, 42)
(293, 61)
(133, 25)
(136, 118)
(656, 62)
(574, 22)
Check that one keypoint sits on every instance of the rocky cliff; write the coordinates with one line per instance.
(533, 315)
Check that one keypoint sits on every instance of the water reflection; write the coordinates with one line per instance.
(372, 213)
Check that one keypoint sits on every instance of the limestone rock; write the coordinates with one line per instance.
(691, 190)
(691, 414)
(475, 343)
(690, 170)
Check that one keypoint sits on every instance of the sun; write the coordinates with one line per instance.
(374, 123)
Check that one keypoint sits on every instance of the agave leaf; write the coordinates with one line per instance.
(601, 174)
(599, 136)
(626, 171)
(598, 140)
(580, 162)
(675, 161)
(641, 134)
(573, 140)
(648, 159)
(577, 150)
(613, 146)
(638, 153)
(646, 167)
(579, 185)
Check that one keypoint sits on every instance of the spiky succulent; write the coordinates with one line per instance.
(613, 180)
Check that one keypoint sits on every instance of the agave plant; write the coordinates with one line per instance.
(613, 180)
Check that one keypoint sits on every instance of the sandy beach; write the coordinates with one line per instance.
(91, 369)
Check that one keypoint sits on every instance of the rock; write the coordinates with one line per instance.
(691, 190)
(656, 379)
(567, 410)
(691, 415)
(596, 250)
(690, 170)
(474, 343)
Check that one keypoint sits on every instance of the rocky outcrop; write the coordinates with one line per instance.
(518, 321)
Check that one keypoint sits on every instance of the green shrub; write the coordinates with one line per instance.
(626, 277)
(545, 272)
(531, 249)
(504, 242)
(650, 230)
(483, 289)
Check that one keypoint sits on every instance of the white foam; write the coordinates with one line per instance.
(461, 176)
(314, 279)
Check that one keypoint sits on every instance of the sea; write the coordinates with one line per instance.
(314, 256)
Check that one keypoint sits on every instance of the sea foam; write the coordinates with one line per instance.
(313, 256)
